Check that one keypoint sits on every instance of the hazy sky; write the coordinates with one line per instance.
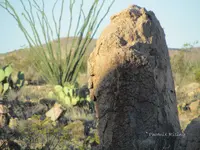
(179, 18)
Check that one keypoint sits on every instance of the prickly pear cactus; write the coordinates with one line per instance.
(67, 95)
(6, 81)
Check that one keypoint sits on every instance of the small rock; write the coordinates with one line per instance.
(55, 112)
(194, 106)
(191, 94)
(4, 120)
(3, 109)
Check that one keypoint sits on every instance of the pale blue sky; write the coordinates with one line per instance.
(179, 18)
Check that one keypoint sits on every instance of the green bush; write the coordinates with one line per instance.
(185, 64)
(180, 67)
(36, 133)
(197, 75)
(185, 67)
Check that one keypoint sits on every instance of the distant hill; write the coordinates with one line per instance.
(63, 41)
(22, 62)
(22, 53)
(70, 39)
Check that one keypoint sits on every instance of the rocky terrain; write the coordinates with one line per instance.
(136, 72)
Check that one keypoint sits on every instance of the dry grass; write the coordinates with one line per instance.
(22, 61)
(36, 92)
(32, 93)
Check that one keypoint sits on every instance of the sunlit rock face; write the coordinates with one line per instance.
(131, 82)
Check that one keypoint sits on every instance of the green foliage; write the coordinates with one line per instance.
(83, 67)
(189, 46)
(6, 81)
(180, 67)
(39, 132)
(197, 75)
(58, 65)
(185, 65)
(93, 139)
(23, 61)
(67, 95)
(36, 133)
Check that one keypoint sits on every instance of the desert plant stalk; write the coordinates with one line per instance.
(57, 66)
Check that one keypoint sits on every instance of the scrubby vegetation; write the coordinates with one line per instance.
(45, 108)
(57, 65)
(61, 87)
(185, 68)
(76, 127)
(30, 127)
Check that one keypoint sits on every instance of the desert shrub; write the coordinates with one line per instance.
(185, 64)
(181, 67)
(39, 132)
(197, 75)
(83, 66)
(22, 61)
(42, 133)
(93, 138)
(58, 66)
(36, 133)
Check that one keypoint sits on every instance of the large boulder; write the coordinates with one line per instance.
(131, 82)
(191, 137)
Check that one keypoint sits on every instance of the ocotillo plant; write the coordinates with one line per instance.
(55, 65)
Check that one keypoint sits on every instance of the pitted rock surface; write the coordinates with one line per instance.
(131, 82)
(191, 137)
